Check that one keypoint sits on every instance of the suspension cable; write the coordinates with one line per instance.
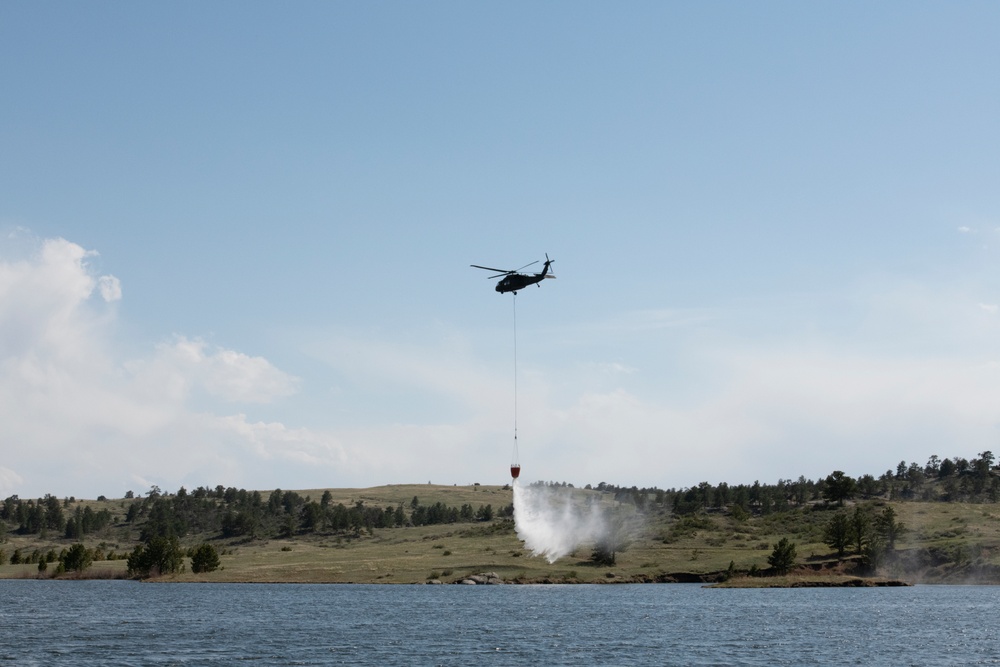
(515, 460)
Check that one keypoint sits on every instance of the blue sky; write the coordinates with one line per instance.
(235, 241)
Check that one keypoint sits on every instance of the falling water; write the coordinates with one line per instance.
(551, 523)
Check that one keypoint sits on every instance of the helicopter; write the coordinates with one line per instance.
(514, 281)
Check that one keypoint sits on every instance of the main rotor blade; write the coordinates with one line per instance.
(500, 271)
(524, 267)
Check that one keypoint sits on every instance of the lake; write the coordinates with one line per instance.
(84, 623)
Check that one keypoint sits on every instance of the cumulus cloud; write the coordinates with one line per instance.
(43, 299)
(81, 418)
(227, 374)
(76, 413)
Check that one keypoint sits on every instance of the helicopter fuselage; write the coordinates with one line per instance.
(517, 281)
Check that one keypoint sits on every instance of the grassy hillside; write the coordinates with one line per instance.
(953, 542)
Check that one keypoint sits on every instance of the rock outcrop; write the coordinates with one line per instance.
(484, 578)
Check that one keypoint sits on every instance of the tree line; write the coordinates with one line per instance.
(939, 480)
(231, 512)
(46, 515)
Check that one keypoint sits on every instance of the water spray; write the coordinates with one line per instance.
(552, 523)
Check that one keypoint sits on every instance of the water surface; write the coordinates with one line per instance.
(95, 623)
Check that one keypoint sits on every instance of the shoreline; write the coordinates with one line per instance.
(707, 580)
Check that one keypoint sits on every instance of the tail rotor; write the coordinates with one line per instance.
(548, 263)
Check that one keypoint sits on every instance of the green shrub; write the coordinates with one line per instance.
(205, 559)
(78, 558)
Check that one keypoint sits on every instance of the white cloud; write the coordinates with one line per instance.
(43, 300)
(966, 230)
(274, 440)
(9, 479)
(227, 374)
(79, 418)
(988, 307)
(111, 288)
